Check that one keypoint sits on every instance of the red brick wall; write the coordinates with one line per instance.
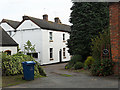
(114, 13)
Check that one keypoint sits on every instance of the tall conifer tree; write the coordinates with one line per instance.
(88, 19)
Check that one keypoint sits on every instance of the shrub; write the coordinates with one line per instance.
(68, 66)
(89, 61)
(85, 67)
(11, 65)
(98, 42)
(102, 68)
(78, 65)
(73, 61)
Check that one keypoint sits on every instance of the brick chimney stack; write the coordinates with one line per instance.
(45, 17)
(57, 20)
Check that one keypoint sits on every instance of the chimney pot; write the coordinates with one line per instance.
(57, 19)
(45, 17)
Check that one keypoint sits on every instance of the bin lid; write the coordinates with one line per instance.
(28, 62)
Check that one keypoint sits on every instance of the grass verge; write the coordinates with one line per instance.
(14, 80)
(65, 75)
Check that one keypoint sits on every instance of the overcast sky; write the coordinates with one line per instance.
(15, 9)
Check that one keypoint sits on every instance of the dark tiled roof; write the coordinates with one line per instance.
(12, 23)
(48, 24)
(5, 39)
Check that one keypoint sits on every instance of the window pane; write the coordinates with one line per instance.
(51, 52)
(50, 35)
(29, 54)
(63, 36)
(63, 51)
(35, 55)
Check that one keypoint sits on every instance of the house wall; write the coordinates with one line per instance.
(57, 44)
(13, 49)
(7, 28)
(29, 31)
(40, 38)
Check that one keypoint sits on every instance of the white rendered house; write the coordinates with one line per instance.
(49, 38)
(7, 44)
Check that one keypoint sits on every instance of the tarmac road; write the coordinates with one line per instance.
(56, 79)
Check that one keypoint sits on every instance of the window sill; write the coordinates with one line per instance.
(64, 57)
(50, 40)
(51, 59)
(64, 41)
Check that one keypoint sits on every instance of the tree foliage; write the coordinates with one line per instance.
(98, 42)
(11, 65)
(29, 47)
(88, 20)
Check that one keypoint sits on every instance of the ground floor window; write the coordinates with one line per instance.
(51, 53)
(64, 53)
(8, 52)
(34, 55)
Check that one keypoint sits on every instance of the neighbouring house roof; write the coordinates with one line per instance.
(48, 24)
(12, 23)
(5, 39)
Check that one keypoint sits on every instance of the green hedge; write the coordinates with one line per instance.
(11, 65)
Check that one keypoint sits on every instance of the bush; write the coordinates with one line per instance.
(102, 68)
(98, 42)
(89, 61)
(73, 61)
(11, 65)
(78, 65)
(68, 66)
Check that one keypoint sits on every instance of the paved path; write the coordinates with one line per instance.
(56, 79)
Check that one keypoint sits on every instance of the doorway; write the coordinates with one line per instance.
(60, 55)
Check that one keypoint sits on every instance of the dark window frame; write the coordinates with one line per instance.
(63, 52)
(34, 55)
(50, 35)
(63, 37)
(51, 52)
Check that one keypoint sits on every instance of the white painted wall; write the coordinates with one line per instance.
(40, 37)
(35, 36)
(57, 44)
(13, 49)
(7, 28)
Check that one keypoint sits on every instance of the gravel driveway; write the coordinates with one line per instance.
(57, 77)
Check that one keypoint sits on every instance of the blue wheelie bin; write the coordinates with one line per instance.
(28, 70)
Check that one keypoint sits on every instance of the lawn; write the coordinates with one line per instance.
(14, 80)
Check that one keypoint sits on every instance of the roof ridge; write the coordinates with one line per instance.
(47, 21)
(9, 20)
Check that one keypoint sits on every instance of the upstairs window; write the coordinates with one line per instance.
(10, 33)
(50, 36)
(63, 37)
